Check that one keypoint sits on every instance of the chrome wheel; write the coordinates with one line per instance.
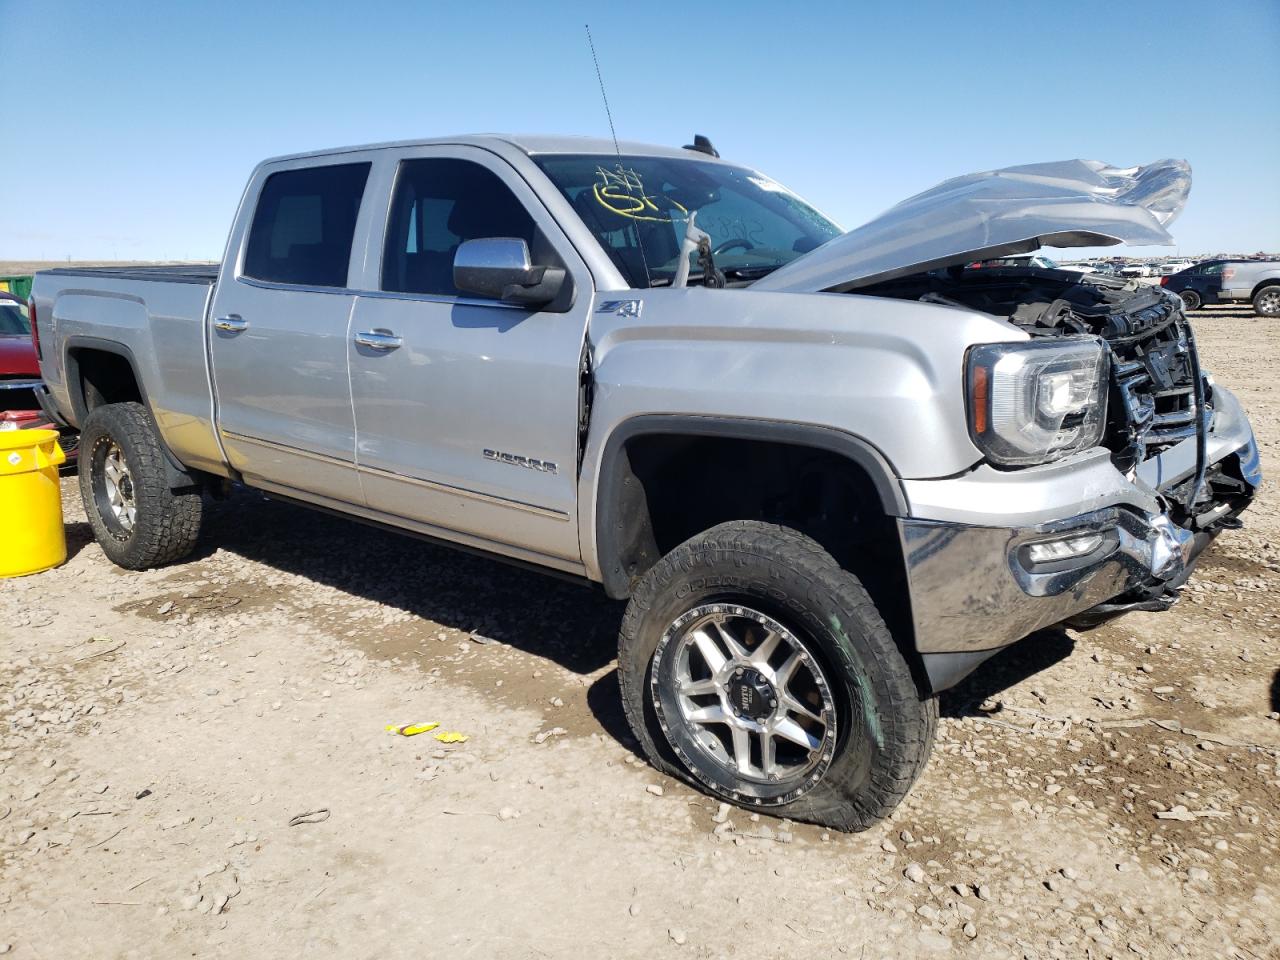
(744, 703)
(117, 488)
(1267, 303)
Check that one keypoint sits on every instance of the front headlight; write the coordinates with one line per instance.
(1037, 401)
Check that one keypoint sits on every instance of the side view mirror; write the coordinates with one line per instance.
(498, 268)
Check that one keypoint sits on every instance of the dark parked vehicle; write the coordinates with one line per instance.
(1198, 285)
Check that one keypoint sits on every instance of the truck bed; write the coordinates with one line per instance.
(201, 273)
(154, 317)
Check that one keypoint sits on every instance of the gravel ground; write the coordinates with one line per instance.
(1110, 793)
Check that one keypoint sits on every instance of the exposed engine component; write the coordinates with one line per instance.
(1156, 388)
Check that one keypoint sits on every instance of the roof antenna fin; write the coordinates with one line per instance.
(702, 145)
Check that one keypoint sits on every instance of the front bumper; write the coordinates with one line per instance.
(973, 590)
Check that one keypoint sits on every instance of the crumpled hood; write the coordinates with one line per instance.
(1069, 203)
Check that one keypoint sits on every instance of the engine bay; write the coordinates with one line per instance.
(1041, 301)
(1156, 390)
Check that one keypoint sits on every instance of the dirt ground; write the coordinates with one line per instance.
(1110, 793)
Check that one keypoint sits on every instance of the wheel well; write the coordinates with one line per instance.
(102, 377)
(671, 487)
(1271, 282)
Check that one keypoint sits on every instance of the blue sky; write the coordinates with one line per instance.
(131, 127)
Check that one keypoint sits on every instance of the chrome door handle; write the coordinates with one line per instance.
(378, 339)
(231, 323)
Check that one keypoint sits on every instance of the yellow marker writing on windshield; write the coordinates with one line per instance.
(621, 191)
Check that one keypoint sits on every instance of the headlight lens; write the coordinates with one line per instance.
(1037, 401)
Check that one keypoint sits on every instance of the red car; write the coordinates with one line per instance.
(20, 375)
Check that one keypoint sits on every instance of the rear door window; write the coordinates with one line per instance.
(304, 225)
(438, 204)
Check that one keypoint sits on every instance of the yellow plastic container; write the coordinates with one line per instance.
(32, 537)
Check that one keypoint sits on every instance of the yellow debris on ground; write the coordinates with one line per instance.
(411, 729)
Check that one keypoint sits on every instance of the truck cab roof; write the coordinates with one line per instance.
(528, 144)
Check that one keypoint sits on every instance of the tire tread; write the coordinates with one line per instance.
(168, 521)
(908, 719)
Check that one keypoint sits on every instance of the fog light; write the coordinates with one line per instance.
(1051, 551)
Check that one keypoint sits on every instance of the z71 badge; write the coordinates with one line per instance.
(529, 463)
(621, 308)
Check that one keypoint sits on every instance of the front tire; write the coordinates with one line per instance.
(753, 667)
(1190, 300)
(1266, 302)
(136, 518)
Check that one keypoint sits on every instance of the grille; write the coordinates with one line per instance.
(1154, 373)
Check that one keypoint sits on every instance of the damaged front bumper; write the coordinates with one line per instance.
(978, 582)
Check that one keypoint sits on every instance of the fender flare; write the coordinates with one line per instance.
(178, 476)
(71, 370)
(618, 526)
(1271, 281)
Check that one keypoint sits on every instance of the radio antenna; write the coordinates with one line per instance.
(603, 96)
(648, 280)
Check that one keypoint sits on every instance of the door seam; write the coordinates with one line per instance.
(351, 401)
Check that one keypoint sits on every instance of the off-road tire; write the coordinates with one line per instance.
(167, 522)
(887, 726)
(1266, 302)
(1191, 300)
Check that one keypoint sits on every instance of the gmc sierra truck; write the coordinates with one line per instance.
(831, 472)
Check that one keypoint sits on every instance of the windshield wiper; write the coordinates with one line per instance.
(730, 273)
(711, 276)
(700, 241)
(748, 273)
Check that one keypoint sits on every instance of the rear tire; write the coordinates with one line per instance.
(1266, 302)
(136, 518)
(866, 729)
(1190, 300)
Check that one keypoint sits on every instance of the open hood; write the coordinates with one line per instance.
(1069, 203)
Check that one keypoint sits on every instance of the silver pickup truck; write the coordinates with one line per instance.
(831, 472)
(1252, 281)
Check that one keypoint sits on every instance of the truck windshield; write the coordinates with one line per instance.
(13, 319)
(638, 208)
